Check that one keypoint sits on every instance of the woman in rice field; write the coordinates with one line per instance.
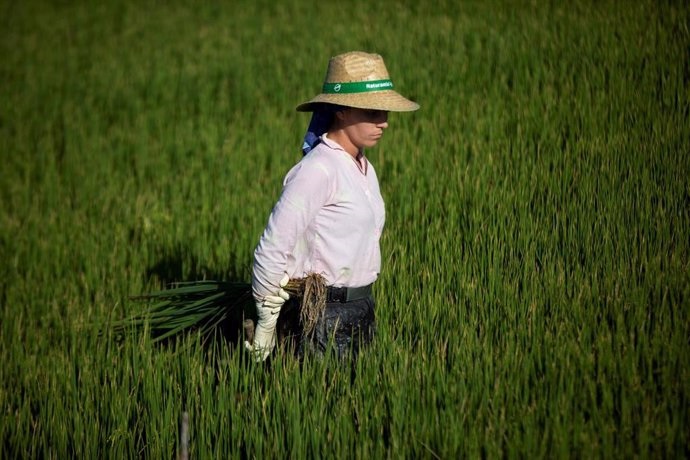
(329, 217)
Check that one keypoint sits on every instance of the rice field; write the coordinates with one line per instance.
(535, 289)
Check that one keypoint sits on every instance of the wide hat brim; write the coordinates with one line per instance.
(388, 100)
(358, 79)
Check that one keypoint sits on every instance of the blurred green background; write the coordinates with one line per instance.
(533, 300)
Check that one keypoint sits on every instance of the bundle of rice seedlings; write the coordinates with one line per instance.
(311, 290)
(188, 306)
(204, 305)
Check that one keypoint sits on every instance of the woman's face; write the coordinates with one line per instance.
(363, 127)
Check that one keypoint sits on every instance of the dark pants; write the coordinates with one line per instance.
(343, 328)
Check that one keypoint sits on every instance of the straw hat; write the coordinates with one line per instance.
(358, 79)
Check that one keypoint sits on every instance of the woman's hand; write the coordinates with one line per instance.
(274, 302)
(265, 332)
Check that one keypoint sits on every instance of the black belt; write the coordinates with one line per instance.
(347, 294)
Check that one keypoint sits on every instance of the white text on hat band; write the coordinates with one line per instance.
(357, 87)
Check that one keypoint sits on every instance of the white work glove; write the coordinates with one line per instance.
(267, 312)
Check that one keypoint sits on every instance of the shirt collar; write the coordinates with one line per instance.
(360, 161)
(334, 145)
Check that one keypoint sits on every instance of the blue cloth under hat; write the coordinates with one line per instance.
(321, 120)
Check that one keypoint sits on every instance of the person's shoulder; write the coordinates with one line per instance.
(321, 156)
(315, 166)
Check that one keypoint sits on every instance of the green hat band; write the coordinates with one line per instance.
(357, 87)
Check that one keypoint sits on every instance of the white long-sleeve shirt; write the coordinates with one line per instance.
(328, 220)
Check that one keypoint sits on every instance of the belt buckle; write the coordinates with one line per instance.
(337, 294)
(342, 294)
